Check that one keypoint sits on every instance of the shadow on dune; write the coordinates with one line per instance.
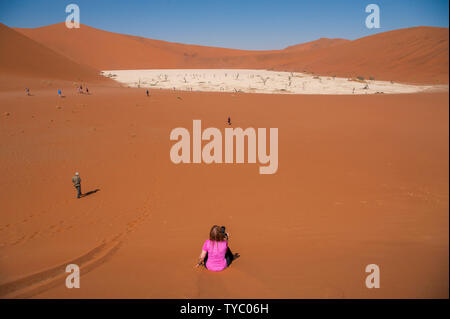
(90, 192)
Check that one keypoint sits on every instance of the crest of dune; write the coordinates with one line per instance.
(417, 55)
(21, 56)
(318, 44)
(107, 50)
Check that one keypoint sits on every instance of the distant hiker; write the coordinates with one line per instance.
(76, 180)
(216, 255)
(229, 120)
(59, 93)
(27, 90)
(353, 90)
(148, 93)
(87, 90)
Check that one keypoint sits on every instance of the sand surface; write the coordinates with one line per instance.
(21, 56)
(258, 81)
(362, 179)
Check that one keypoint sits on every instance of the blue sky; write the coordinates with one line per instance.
(241, 24)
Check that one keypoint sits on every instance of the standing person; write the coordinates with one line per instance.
(76, 180)
(216, 255)
(59, 92)
(87, 90)
(148, 93)
(27, 90)
(229, 120)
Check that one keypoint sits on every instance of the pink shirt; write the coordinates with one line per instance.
(216, 254)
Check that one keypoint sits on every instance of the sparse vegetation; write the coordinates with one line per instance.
(264, 80)
(246, 81)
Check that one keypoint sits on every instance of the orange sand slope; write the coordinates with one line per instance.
(21, 56)
(414, 55)
(317, 44)
(418, 54)
(106, 50)
(361, 180)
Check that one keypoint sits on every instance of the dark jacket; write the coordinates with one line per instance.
(76, 180)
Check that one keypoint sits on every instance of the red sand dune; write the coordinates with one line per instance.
(21, 56)
(418, 54)
(361, 179)
(317, 44)
(107, 50)
(415, 55)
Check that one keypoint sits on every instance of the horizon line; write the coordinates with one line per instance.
(229, 48)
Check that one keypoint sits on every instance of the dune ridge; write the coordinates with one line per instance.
(317, 44)
(21, 56)
(416, 55)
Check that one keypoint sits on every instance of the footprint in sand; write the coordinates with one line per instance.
(34, 235)
(44, 280)
(18, 241)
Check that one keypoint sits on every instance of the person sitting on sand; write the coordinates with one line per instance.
(216, 255)
(76, 180)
